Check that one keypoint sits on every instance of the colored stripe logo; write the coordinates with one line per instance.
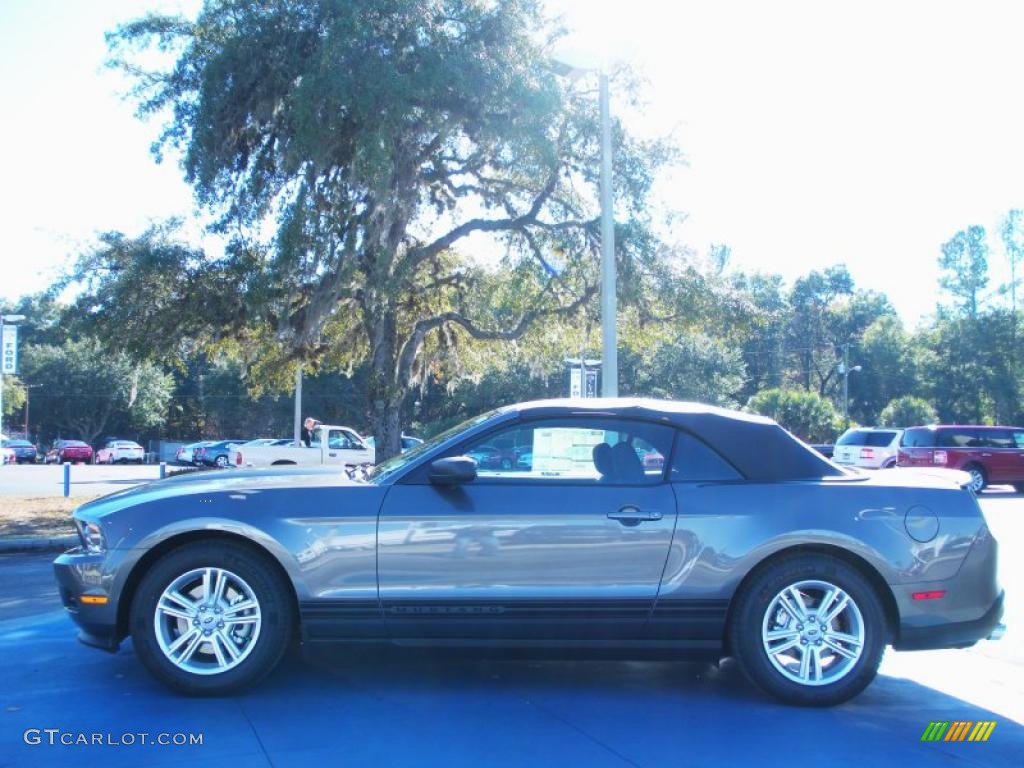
(958, 730)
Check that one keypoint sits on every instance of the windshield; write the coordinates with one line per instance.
(383, 471)
(862, 437)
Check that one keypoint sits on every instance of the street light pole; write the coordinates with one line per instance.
(298, 407)
(609, 310)
(845, 369)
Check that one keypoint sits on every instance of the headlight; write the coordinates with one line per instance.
(92, 537)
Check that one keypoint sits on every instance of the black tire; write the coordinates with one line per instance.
(757, 596)
(221, 461)
(271, 592)
(979, 478)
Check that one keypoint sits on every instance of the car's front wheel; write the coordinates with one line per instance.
(809, 630)
(211, 618)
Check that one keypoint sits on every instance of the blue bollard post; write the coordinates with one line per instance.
(163, 469)
(67, 478)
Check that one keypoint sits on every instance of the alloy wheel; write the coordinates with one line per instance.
(207, 621)
(813, 633)
(977, 479)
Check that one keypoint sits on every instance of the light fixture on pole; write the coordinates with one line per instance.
(9, 352)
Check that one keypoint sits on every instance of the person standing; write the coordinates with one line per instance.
(308, 428)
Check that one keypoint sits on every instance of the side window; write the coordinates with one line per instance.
(996, 438)
(590, 450)
(695, 462)
(958, 438)
(354, 443)
(918, 438)
(1018, 438)
(341, 440)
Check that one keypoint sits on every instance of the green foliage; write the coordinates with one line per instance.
(908, 411)
(693, 367)
(86, 392)
(964, 261)
(807, 415)
(889, 368)
(14, 396)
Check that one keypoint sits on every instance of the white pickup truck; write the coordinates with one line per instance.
(330, 445)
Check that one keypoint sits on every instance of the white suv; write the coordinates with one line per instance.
(873, 448)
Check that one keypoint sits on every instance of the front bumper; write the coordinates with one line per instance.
(79, 574)
(959, 635)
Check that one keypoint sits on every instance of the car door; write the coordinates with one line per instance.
(562, 547)
(346, 448)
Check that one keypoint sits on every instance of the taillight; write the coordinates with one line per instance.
(867, 453)
(939, 457)
(238, 459)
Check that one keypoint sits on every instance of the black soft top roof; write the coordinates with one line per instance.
(758, 447)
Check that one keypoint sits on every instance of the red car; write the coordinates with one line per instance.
(992, 455)
(68, 450)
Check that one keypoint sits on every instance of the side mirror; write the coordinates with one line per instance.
(453, 471)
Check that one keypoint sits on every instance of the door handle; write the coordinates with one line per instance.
(631, 515)
(332, 454)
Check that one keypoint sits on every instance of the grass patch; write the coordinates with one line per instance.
(38, 515)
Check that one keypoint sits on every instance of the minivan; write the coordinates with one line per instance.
(992, 455)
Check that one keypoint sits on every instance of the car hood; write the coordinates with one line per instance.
(221, 481)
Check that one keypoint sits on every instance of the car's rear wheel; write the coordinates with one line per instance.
(221, 461)
(978, 478)
(809, 630)
(210, 618)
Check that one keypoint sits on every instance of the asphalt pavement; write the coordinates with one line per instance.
(353, 707)
(86, 479)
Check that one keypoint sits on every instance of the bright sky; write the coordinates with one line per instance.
(815, 132)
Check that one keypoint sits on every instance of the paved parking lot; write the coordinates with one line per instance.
(86, 479)
(354, 707)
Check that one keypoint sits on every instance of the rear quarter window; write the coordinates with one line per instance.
(996, 438)
(694, 462)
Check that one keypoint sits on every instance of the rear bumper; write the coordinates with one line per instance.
(959, 635)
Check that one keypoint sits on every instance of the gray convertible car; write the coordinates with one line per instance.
(629, 527)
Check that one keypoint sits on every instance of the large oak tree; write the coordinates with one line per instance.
(391, 174)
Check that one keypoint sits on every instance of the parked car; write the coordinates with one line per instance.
(24, 451)
(342, 446)
(68, 450)
(745, 543)
(992, 455)
(214, 454)
(7, 455)
(120, 452)
(185, 455)
(869, 447)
